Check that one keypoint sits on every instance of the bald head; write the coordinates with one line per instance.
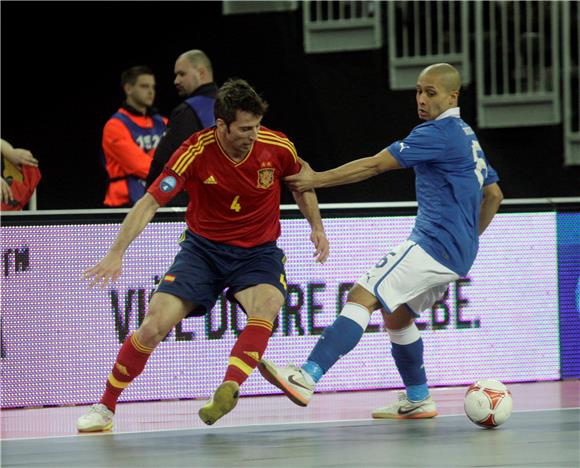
(198, 59)
(437, 90)
(192, 70)
(447, 74)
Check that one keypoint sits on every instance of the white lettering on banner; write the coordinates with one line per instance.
(52, 322)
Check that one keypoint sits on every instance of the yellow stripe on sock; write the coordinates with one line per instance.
(253, 354)
(117, 383)
(261, 323)
(237, 362)
(138, 346)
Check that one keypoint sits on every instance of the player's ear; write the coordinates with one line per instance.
(220, 124)
(127, 87)
(454, 95)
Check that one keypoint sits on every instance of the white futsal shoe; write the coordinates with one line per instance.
(99, 418)
(292, 380)
(404, 408)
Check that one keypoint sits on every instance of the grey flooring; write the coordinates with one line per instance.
(528, 439)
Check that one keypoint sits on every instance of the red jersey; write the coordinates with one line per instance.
(235, 203)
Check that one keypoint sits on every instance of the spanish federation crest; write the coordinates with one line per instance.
(265, 177)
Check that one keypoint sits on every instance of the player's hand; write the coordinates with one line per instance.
(304, 180)
(321, 245)
(7, 196)
(21, 156)
(108, 269)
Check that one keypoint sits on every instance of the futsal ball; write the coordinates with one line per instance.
(488, 403)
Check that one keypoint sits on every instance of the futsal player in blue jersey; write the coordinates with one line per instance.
(457, 196)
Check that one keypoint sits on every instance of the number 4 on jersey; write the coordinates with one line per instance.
(235, 205)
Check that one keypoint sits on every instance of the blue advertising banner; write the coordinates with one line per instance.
(569, 281)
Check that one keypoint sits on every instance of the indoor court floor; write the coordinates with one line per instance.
(335, 430)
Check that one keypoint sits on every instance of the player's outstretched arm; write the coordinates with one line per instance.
(109, 268)
(308, 204)
(492, 197)
(349, 173)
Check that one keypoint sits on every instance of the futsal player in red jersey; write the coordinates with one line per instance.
(233, 174)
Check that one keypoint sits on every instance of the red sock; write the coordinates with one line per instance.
(130, 363)
(248, 350)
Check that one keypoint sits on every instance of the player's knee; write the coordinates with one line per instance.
(265, 312)
(266, 308)
(152, 332)
(398, 319)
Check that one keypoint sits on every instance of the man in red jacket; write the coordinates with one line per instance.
(130, 137)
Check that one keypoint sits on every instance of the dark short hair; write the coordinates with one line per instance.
(234, 95)
(130, 76)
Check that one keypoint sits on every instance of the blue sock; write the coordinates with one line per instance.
(313, 370)
(409, 361)
(337, 340)
(407, 350)
(417, 392)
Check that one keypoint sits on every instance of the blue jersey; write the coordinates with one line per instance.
(450, 171)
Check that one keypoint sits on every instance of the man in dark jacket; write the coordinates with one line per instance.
(194, 82)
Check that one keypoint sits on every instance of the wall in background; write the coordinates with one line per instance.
(335, 107)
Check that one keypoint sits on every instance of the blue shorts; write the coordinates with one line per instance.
(202, 269)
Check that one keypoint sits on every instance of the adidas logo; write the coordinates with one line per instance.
(210, 180)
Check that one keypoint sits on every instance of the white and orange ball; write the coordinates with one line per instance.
(488, 403)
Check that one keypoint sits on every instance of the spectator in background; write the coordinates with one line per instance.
(194, 82)
(130, 137)
(20, 176)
